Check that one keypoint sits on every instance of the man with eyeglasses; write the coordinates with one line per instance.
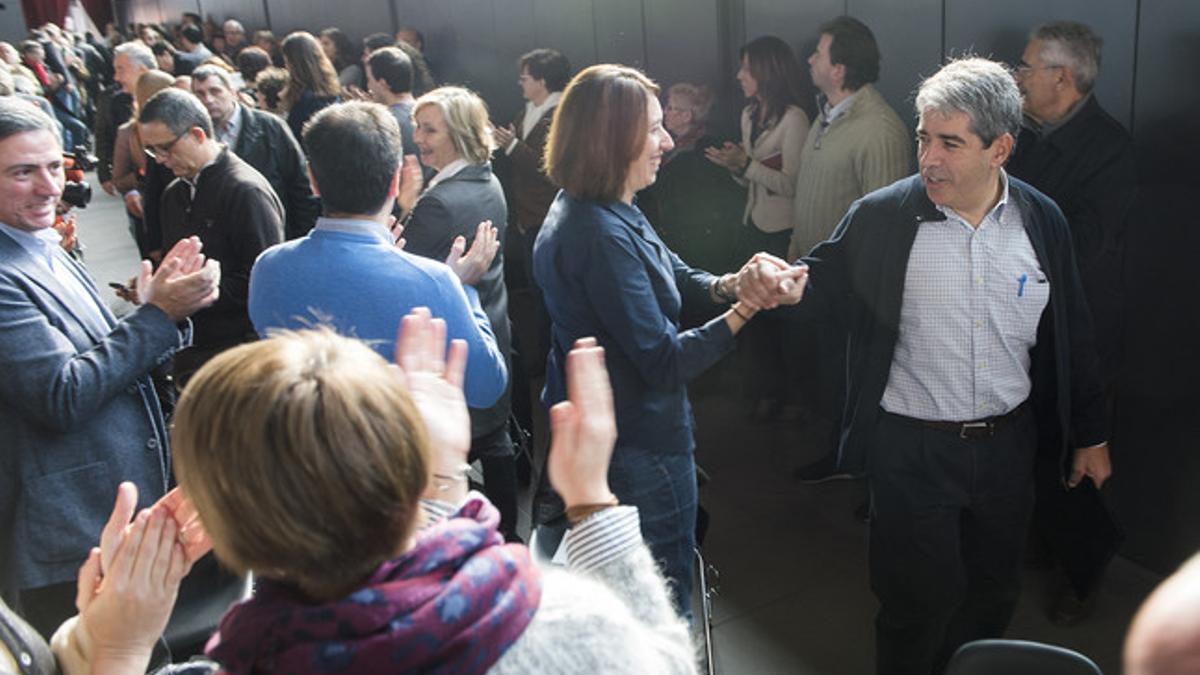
(220, 199)
(1082, 158)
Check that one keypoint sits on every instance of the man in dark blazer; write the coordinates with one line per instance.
(263, 141)
(77, 405)
(970, 345)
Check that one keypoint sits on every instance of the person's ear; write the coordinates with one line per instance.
(1001, 149)
(312, 182)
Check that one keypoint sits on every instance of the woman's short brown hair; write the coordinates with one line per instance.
(305, 458)
(599, 129)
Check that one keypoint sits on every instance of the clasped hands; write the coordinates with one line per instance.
(767, 282)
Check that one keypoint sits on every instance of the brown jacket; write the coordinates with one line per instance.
(532, 191)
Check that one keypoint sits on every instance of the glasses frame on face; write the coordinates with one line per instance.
(161, 152)
(1024, 69)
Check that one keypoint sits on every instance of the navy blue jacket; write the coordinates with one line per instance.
(605, 273)
(858, 276)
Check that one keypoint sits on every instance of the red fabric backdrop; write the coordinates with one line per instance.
(38, 12)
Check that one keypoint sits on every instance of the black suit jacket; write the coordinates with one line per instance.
(455, 207)
(265, 143)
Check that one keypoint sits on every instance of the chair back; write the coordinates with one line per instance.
(1010, 657)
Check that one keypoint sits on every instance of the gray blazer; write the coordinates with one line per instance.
(78, 415)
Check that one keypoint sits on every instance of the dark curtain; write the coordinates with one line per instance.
(40, 12)
(100, 11)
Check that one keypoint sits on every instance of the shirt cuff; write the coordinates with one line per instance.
(512, 145)
(603, 537)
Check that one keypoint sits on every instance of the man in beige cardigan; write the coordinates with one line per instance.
(856, 145)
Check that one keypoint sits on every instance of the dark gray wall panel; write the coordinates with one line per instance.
(514, 31)
(619, 32)
(358, 18)
(909, 37)
(172, 10)
(1000, 29)
(1155, 490)
(12, 23)
(249, 12)
(795, 22)
(683, 46)
(568, 26)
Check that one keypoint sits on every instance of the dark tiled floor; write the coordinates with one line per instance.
(792, 558)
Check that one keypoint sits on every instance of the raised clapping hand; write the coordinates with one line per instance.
(504, 136)
(434, 377)
(583, 429)
(766, 282)
(471, 266)
(128, 585)
(411, 183)
(184, 283)
(730, 155)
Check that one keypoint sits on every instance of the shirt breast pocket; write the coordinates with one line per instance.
(1025, 305)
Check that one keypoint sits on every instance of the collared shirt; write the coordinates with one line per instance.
(830, 114)
(533, 113)
(973, 298)
(368, 228)
(45, 247)
(228, 134)
(448, 171)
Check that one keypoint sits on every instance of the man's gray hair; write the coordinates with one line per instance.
(178, 110)
(1072, 45)
(137, 53)
(18, 116)
(983, 89)
(234, 24)
(203, 73)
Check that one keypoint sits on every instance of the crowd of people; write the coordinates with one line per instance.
(297, 202)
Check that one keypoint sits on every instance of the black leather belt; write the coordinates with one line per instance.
(981, 428)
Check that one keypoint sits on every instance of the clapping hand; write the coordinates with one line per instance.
(411, 183)
(504, 135)
(583, 429)
(730, 155)
(183, 284)
(471, 266)
(434, 377)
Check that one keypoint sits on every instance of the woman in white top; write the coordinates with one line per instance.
(774, 127)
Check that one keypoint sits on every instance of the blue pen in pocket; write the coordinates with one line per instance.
(1021, 285)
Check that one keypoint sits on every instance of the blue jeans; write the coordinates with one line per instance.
(663, 488)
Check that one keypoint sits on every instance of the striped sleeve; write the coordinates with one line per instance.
(603, 537)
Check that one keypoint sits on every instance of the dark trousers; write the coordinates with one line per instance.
(494, 450)
(46, 607)
(947, 537)
(769, 366)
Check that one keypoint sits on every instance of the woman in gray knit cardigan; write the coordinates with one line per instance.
(340, 483)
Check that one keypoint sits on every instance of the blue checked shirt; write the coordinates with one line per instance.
(973, 298)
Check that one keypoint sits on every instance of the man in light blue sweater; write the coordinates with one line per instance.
(348, 273)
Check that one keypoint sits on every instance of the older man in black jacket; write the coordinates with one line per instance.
(264, 142)
(1082, 158)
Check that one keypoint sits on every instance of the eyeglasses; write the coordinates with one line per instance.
(161, 151)
(1024, 69)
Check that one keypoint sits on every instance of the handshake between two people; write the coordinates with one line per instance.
(767, 282)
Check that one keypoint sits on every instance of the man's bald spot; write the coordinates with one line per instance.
(1164, 638)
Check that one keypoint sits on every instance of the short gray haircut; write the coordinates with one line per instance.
(235, 25)
(178, 110)
(204, 73)
(137, 53)
(18, 116)
(1071, 45)
(983, 89)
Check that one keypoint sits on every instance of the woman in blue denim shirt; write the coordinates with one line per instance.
(605, 273)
